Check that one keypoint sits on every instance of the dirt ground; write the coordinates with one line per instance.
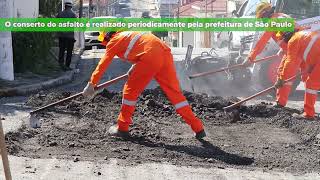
(265, 137)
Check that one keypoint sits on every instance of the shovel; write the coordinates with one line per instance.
(4, 154)
(34, 121)
(230, 67)
(232, 111)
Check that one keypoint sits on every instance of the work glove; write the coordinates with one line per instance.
(131, 69)
(88, 91)
(279, 83)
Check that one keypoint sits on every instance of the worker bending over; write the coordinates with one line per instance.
(303, 51)
(151, 59)
(265, 10)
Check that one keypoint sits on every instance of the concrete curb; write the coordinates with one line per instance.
(32, 88)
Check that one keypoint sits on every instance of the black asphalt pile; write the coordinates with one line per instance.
(265, 137)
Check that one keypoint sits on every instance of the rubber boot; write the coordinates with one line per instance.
(309, 102)
(303, 116)
(195, 123)
(200, 135)
(114, 131)
(125, 117)
(283, 95)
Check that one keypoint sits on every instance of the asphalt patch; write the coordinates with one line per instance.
(263, 137)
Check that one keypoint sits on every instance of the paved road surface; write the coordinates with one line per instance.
(16, 113)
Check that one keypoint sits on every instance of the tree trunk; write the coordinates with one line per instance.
(6, 56)
(90, 8)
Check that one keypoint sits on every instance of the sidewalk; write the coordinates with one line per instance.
(28, 83)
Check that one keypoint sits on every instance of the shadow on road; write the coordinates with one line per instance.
(206, 150)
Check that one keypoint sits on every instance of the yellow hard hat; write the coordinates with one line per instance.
(261, 8)
(279, 35)
(101, 36)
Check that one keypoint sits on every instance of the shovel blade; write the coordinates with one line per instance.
(233, 115)
(34, 121)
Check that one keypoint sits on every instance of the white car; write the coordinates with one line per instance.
(91, 37)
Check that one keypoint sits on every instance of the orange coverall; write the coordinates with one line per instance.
(303, 49)
(283, 92)
(152, 59)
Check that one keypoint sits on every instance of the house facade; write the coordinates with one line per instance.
(193, 8)
(21, 9)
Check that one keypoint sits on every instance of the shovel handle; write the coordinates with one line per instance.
(230, 67)
(4, 154)
(105, 84)
(99, 87)
(255, 95)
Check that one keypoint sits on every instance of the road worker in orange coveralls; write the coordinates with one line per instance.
(151, 59)
(265, 10)
(304, 52)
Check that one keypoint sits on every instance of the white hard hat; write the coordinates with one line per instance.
(68, 2)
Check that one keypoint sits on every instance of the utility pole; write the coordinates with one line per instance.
(98, 7)
(90, 8)
(178, 15)
(107, 7)
(206, 33)
(206, 9)
(80, 35)
(80, 8)
(6, 54)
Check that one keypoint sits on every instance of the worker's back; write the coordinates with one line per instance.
(66, 13)
(132, 45)
(309, 43)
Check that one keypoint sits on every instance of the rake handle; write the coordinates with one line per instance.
(255, 95)
(99, 87)
(230, 68)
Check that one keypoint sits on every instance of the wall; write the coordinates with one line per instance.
(187, 38)
(194, 38)
(13, 8)
(23, 9)
(166, 7)
(6, 57)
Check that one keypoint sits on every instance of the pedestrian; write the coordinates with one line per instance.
(303, 51)
(265, 10)
(66, 39)
(151, 59)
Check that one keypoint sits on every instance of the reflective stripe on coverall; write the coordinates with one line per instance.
(152, 59)
(303, 49)
(283, 92)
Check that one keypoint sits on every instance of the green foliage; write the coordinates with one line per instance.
(31, 51)
(49, 8)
